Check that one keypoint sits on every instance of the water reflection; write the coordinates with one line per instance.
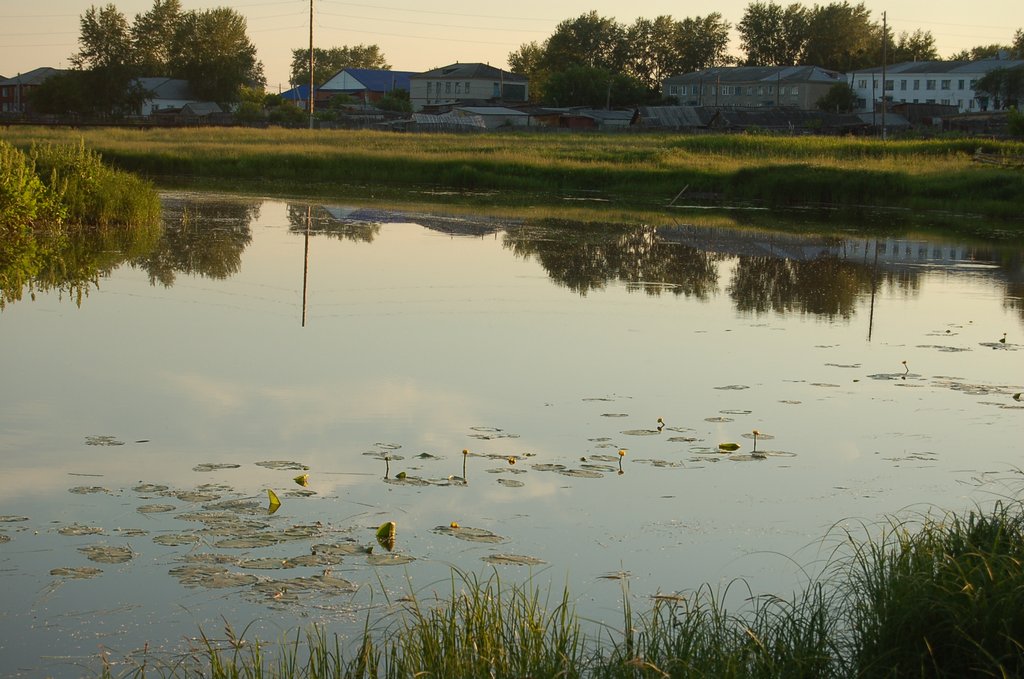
(763, 271)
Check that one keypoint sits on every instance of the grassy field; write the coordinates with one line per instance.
(642, 170)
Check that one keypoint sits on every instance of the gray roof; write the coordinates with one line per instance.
(939, 67)
(471, 72)
(166, 88)
(491, 111)
(752, 74)
(34, 77)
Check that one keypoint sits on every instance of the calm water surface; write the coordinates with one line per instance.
(148, 405)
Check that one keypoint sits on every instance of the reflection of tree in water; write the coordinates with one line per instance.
(585, 257)
(331, 222)
(202, 237)
(68, 263)
(827, 285)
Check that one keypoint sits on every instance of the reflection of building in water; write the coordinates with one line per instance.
(452, 225)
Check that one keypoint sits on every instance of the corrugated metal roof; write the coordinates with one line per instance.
(377, 80)
(940, 67)
(491, 111)
(471, 72)
(166, 88)
(34, 77)
(757, 74)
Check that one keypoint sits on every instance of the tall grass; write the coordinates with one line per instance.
(940, 598)
(635, 168)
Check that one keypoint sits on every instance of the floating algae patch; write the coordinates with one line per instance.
(511, 483)
(150, 488)
(82, 573)
(512, 560)
(107, 554)
(283, 465)
(89, 490)
(389, 559)
(469, 534)
(214, 466)
(102, 441)
(155, 509)
(4, 538)
(78, 529)
(176, 539)
(299, 492)
(582, 473)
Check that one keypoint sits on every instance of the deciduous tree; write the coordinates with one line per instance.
(771, 35)
(327, 62)
(152, 36)
(702, 42)
(105, 39)
(842, 37)
(212, 50)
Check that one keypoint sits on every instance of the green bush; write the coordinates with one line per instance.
(92, 193)
(24, 199)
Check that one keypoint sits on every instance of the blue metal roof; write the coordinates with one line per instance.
(377, 80)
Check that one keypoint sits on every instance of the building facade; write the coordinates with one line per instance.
(465, 84)
(15, 92)
(752, 86)
(946, 83)
(366, 84)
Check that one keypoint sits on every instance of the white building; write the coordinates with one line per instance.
(949, 83)
(467, 84)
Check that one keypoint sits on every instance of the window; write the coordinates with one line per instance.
(946, 84)
(448, 87)
(973, 83)
(673, 90)
(714, 89)
(430, 86)
(693, 89)
(750, 90)
(945, 102)
(874, 84)
(793, 89)
(903, 85)
(959, 84)
(929, 84)
(782, 90)
(861, 84)
(917, 84)
(771, 89)
(466, 90)
(760, 90)
(888, 86)
(458, 87)
(929, 101)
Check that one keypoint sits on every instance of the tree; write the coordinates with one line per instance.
(588, 40)
(842, 37)
(592, 86)
(528, 60)
(1004, 85)
(840, 98)
(327, 62)
(652, 50)
(213, 52)
(771, 35)
(396, 100)
(916, 46)
(1018, 43)
(702, 42)
(152, 35)
(980, 52)
(105, 40)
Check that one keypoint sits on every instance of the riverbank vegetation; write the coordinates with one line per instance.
(942, 596)
(53, 190)
(642, 170)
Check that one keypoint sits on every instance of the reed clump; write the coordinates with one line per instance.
(938, 597)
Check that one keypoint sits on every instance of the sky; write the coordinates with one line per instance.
(417, 36)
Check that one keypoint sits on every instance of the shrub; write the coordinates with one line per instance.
(24, 199)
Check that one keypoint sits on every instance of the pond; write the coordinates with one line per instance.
(545, 399)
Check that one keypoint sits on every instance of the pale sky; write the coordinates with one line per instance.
(418, 36)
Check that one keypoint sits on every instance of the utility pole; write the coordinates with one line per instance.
(885, 45)
(311, 64)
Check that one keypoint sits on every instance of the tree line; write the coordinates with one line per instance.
(209, 48)
(591, 60)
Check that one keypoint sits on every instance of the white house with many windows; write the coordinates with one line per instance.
(950, 83)
(465, 84)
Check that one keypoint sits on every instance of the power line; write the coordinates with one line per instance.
(424, 23)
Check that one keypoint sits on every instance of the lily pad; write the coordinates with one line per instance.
(548, 467)
(614, 414)
(267, 563)
(641, 432)
(513, 560)
(283, 465)
(341, 548)
(155, 509)
(176, 539)
(81, 573)
(150, 488)
(683, 439)
(470, 534)
(78, 529)
(8, 518)
(107, 554)
(102, 441)
(582, 473)
(249, 541)
(326, 584)
(511, 483)
(735, 412)
(214, 466)
(88, 490)
(718, 419)
(195, 496)
(733, 387)
(4, 538)
(389, 559)
(759, 437)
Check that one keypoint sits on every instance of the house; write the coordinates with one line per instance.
(164, 94)
(753, 86)
(14, 92)
(466, 84)
(369, 85)
(947, 83)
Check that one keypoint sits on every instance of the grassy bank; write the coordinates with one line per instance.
(643, 169)
(940, 597)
